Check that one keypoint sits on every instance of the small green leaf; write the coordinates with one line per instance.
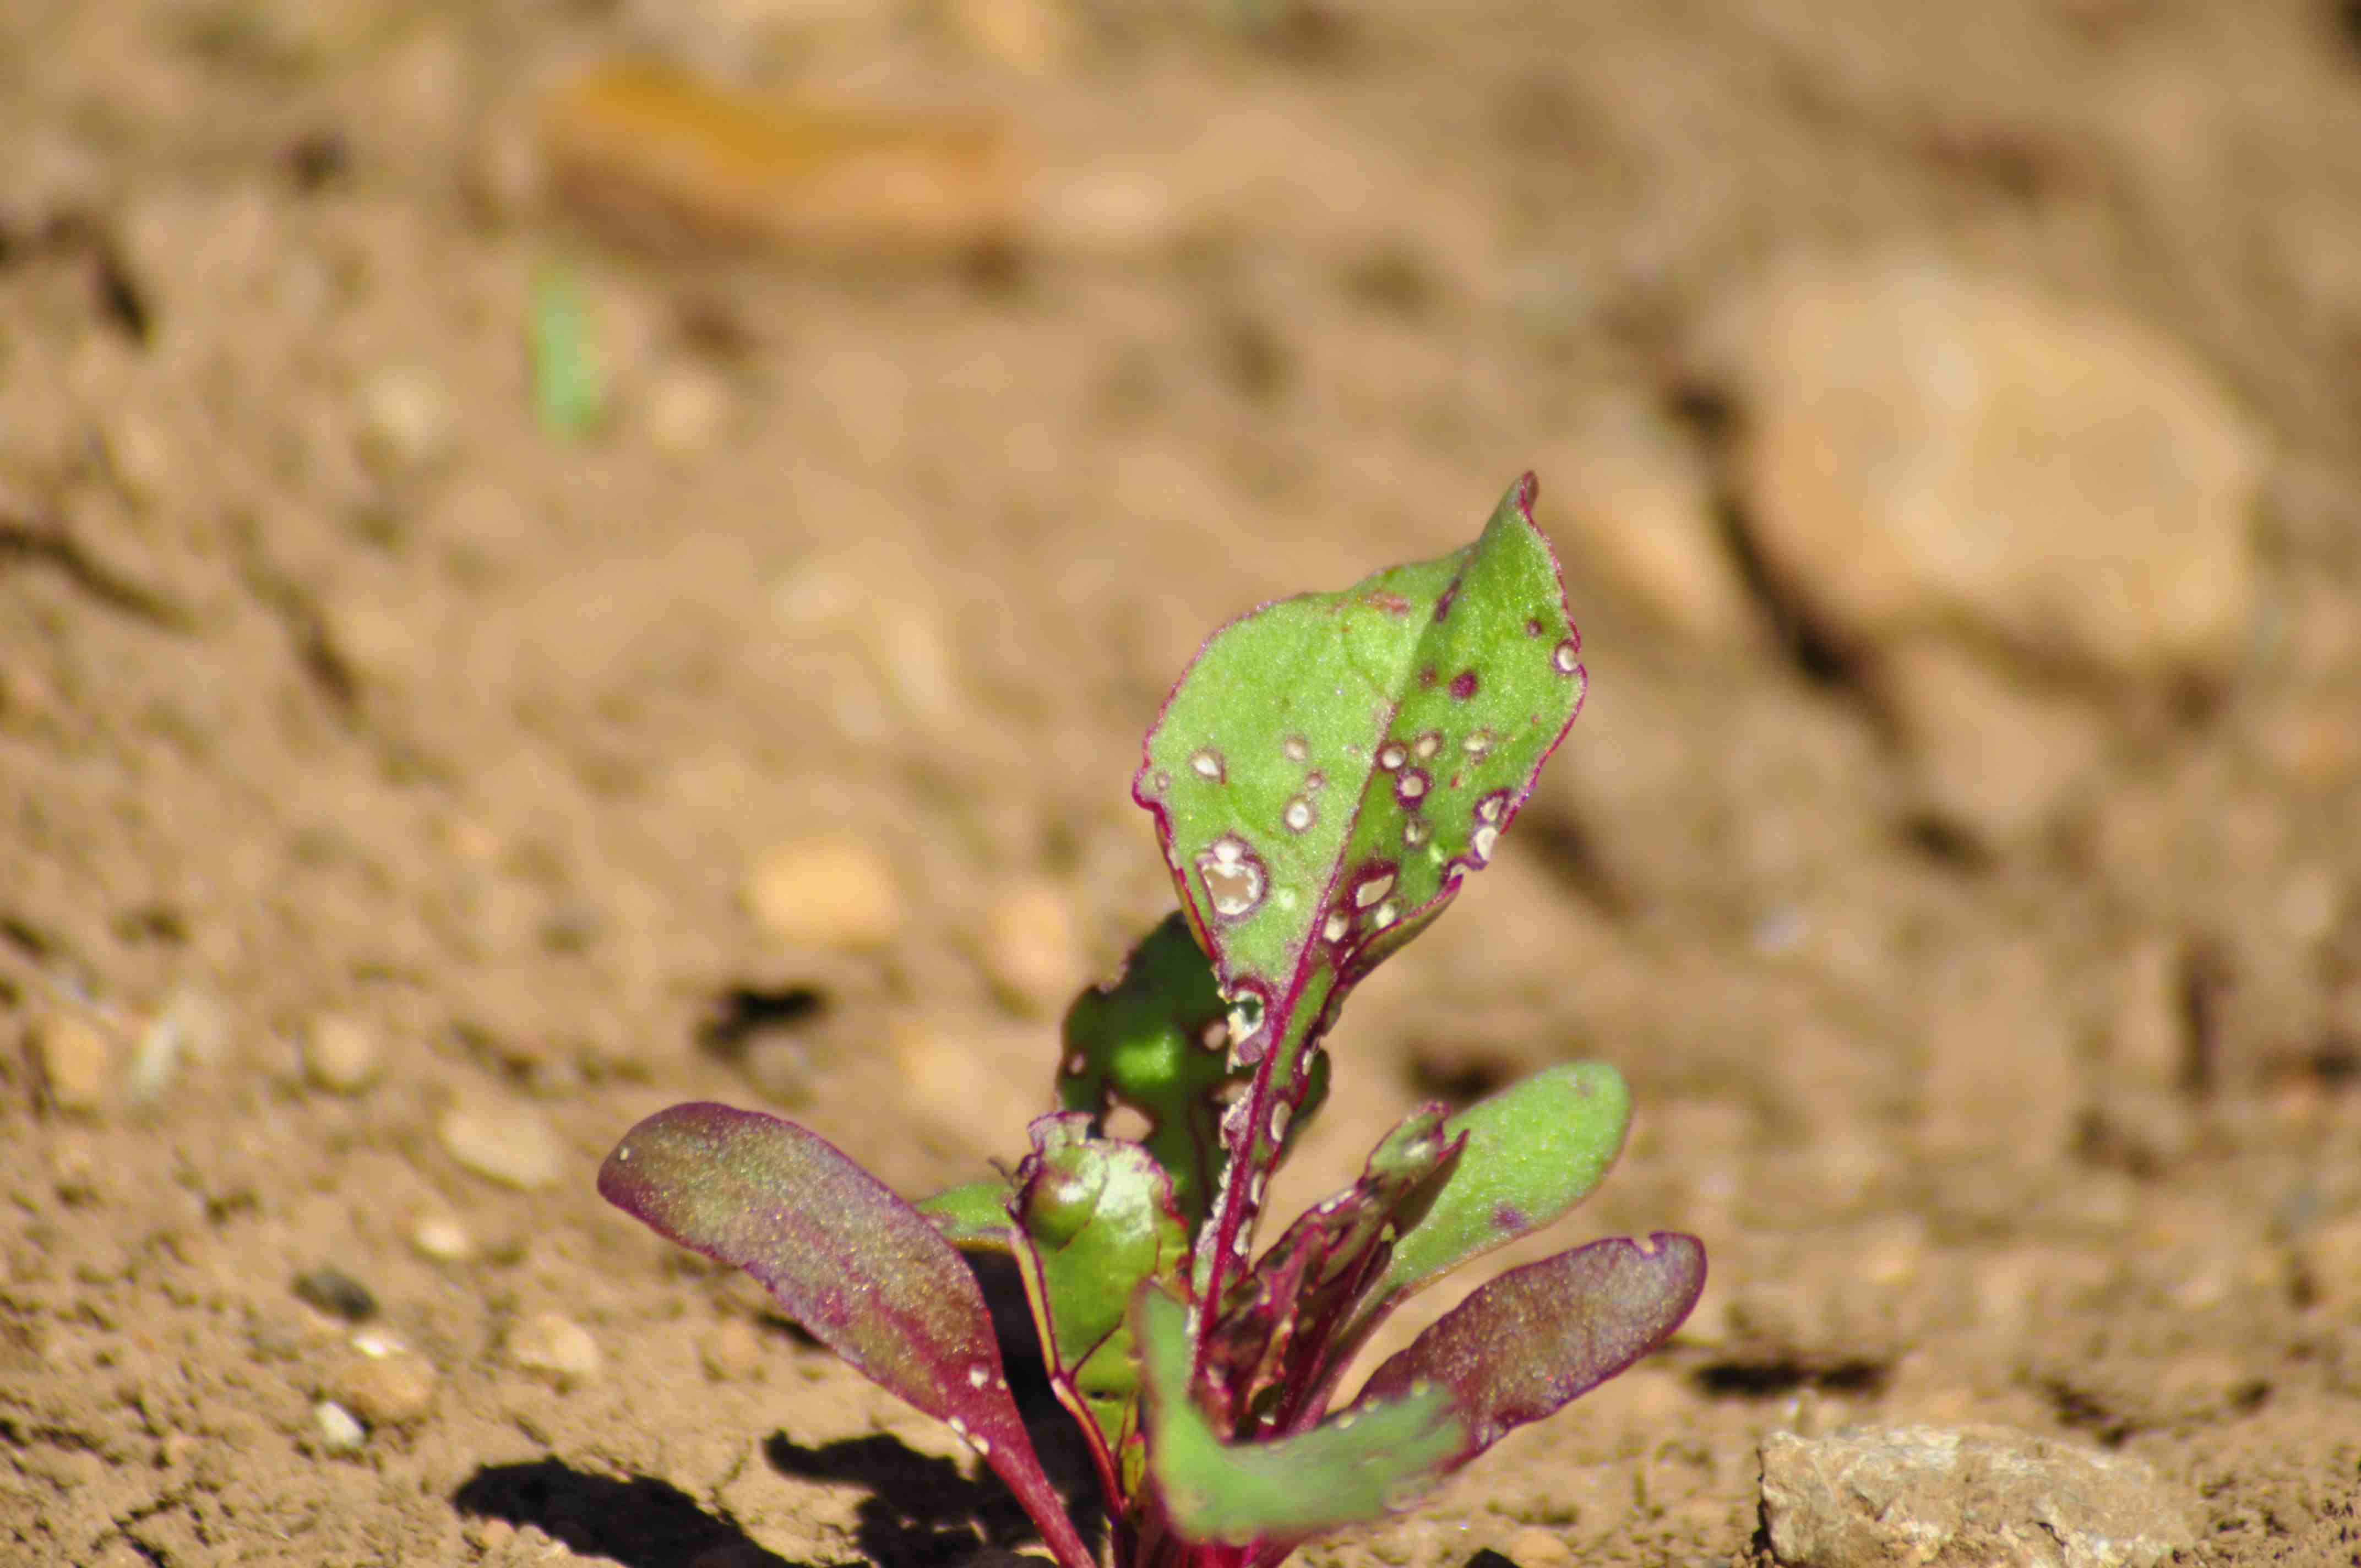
(569, 394)
(974, 1215)
(1098, 1219)
(1378, 1456)
(1157, 1040)
(1534, 1150)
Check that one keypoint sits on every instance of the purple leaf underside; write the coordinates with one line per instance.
(859, 1268)
(1539, 1337)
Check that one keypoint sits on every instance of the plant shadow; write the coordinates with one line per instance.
(641, 1522)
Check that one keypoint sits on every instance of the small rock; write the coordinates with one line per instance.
(336, 1293)
(1975, 1494)
(731, 1352)
(382, 1383)
(75, 1058)
(508, 1143)
(1534, 1547)
(341, 1053)
(1032, 952)
(1642, 502)
(405, 417)
(193, 1025)
(1924, 447)
(1988, 758)
(555, 1345)
(340, 1433)
(825, 893)
(442, 1237)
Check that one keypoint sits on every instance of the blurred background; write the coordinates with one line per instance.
(561, 558)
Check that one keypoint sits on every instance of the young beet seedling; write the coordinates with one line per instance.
(1323, 778)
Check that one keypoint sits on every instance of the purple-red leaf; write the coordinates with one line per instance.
(857, 1267)
(1540, 1336)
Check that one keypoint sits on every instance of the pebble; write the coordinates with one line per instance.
(341, 1053)
(75, 1057)
(504, 1142)
(339, 1431)
(555, 1345)
(825, 893)
(1641, 499)
(1987, 757)
(1925, 448)
(192, 1026)
(1534, 1547)
(1973, 1493)
(442, 1237)
(1032, 951)
(731, 1352)
(404, 419)
(382, 1383)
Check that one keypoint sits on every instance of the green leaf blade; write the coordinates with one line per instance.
(1324, 776)
(1378, 1457)
(1097, 1221)
(1534, 1151)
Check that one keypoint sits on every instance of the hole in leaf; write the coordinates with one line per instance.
(1128, 1122)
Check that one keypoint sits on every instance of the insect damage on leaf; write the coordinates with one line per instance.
(1324, 777)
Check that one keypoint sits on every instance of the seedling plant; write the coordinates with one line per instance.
(1323, 779)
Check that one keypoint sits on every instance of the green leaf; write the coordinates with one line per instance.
(847, 1259)
(1097, 1220)
(1534, 1150)
(1377, 1457)
(974, 1215)
(1156, 1040)
(1324, 775)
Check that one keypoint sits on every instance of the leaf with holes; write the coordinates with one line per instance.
(1156, 1040)
(1324, 777)
(1327, 772)
(1096, 1221)
(854, 1264)
(1541, 1336)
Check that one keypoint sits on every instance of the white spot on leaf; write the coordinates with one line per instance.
(1207, 765)
(1386, 916)
(1300, 815)
(1429, 744)
(1296, 748)
(1373, 889)
(1567, 657)
(1391, 756)
(1279, 1115)
(1338, 924)
(1482, 844)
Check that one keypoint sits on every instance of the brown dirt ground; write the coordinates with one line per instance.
(473, 736)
